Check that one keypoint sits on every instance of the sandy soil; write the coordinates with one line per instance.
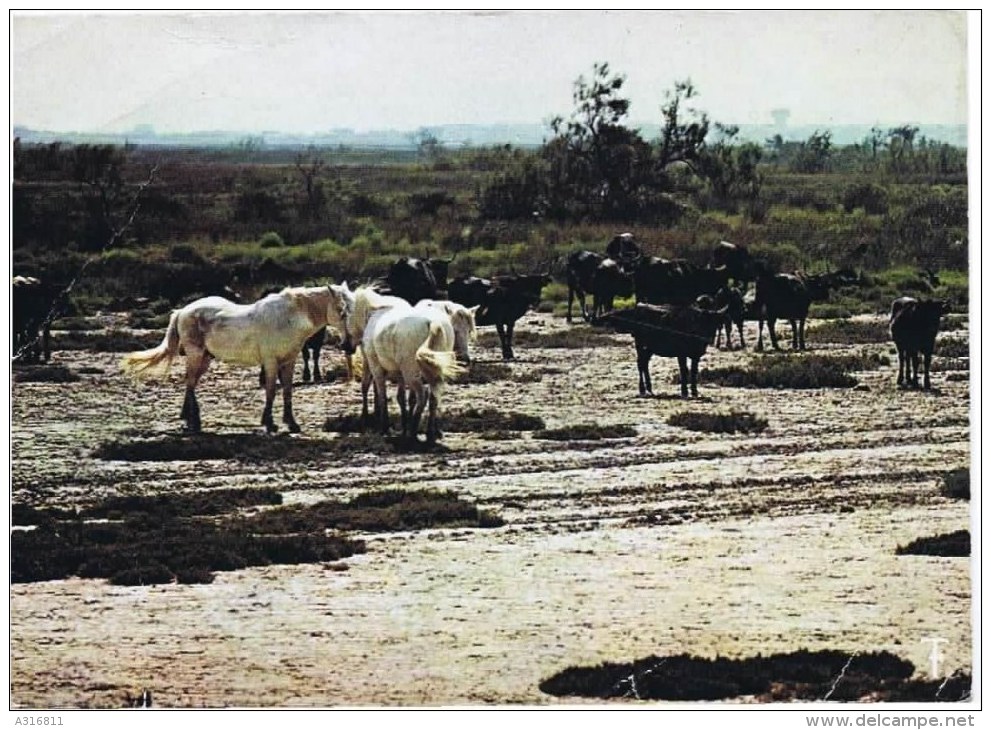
(669, 542)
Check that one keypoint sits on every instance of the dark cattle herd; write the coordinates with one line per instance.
(681, 307)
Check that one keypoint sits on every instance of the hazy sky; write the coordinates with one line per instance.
(312, 72)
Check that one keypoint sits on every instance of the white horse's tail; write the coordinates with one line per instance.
(437, 365)
(156, 361)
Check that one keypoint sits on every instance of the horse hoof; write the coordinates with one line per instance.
(294, 428)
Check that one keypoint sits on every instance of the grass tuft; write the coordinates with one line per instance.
(586, 432)
(801, 675)
(187, 538)
(795, 371)
(956, 484)
(732, 422)
(45, 374)
(949, 545)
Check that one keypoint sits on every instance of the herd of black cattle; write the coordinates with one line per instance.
(679, 308)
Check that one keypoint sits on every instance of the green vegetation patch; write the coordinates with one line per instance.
(486, 372)
(800, 675)
(181, 538)
(850, 332)
(156, 543)
(586, 432)
(45, 374)
(244, 447)
(732, 422)
(795, 371)
(391, 510)
(488, 419)
(952, 347)
(112, 340)
(956, 484)
(949, 545)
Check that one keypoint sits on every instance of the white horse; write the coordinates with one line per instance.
(413, 347)
(270, 333)
(462, 320)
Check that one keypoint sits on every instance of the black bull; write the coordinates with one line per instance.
(501, 301)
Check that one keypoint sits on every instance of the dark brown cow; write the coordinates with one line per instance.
(582, 266)
(414, 279)
(736, 258)
(34, 305)
(683, 332)
(675, 281)
(501, 301)
(789, 296)
(610, 281)
(913, 326)
(623, 249)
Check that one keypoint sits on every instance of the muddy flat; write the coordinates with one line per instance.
(664, 542)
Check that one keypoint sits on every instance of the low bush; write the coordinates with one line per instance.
(733, 422)
(45, 374)
(956, 484)
(949, 545)
(586, 432)
(850, 332)
(112, 340)
(800, 675)
(178, 538)
(794, 371)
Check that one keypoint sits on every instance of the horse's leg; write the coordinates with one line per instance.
(683, 370)
(433, 430)
(801, 333)
(381, 401)
(915, 369)
(285, 375)
(306, 363)
(317, 377)
(271, 375)
(366, 383)
(571, 299)
(760, 334)
(403, 407)
(743, 343)
(197, 362)
(695, 377)
(420, 393)
(926, 360)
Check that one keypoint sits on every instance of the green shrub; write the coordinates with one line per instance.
(870, 196)
(790, 371)
(271, 239)
(850, 332)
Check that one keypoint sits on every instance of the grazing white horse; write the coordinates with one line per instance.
(270, 333)
(413, 347)
(462, 320)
